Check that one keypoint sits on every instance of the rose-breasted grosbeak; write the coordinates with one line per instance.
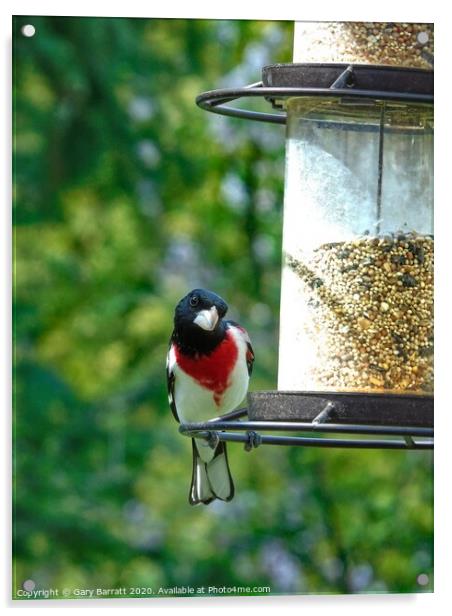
(208, 368)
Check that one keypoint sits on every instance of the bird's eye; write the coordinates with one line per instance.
(194, 300)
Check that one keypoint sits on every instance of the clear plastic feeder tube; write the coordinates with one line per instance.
(357, 284)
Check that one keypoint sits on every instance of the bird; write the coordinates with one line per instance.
(209, 364)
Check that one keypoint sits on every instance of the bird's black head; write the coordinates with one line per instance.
(198, 321)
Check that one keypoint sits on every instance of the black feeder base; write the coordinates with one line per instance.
(406, 421)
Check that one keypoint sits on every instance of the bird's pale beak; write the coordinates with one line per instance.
(207, 319)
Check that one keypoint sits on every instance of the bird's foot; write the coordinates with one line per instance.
(213, 439)
(254, 440)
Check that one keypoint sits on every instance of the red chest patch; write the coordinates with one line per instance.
(212, 371)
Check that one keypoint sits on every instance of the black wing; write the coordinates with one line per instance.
(171, 381)
(249, 349)
(250, 358)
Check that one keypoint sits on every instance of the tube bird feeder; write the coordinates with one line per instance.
(356, 320)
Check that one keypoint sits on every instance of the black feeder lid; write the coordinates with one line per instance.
(281, 81)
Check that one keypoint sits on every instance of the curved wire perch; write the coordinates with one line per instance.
(214, 100)
(228, 428)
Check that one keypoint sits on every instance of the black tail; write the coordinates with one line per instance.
(211, 479)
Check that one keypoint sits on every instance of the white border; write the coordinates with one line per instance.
(353, 10)
(343, 10)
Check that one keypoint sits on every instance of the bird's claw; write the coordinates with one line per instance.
(213, 440)
(254, 440)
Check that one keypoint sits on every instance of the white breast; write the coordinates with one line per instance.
(195, 403)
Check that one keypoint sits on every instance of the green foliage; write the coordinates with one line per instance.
(126, 195)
